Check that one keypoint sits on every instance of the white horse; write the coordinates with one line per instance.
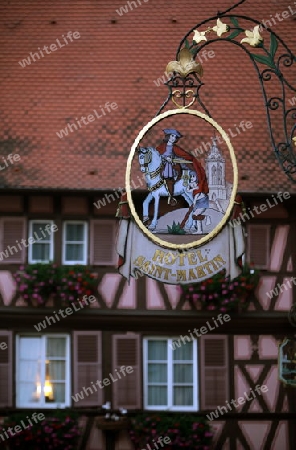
(152, 165)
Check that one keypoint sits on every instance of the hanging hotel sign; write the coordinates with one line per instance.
(175, 226)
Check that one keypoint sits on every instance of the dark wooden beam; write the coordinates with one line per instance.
(165, 322)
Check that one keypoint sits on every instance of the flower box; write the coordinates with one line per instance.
(61, 285)
(58, 431)
(221, 294)
(184, 431)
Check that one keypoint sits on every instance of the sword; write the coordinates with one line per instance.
(181, 161)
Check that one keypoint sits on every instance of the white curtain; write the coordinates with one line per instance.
(162, 360)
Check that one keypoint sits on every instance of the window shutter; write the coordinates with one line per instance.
(127, 390)
(259, 245)
(13, 229)
(87, 368)
(6, 370)
(102, 242)
(214, 371)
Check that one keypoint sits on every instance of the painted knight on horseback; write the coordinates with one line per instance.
(164, 168)
(172, 170)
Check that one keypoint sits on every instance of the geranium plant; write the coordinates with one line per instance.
(219, 293)
(185, 431)
(74, 282)
(67, 284)
(58, 431)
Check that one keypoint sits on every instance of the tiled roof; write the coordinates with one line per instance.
(116, 59)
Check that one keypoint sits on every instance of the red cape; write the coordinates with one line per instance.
(201, 174)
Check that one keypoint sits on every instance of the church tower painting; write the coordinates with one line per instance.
(215, 170)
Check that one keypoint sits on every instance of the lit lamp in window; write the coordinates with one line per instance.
(48, 390)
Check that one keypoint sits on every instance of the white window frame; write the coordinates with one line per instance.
(85, 241)
(169, 406)
(43, 404)
(50, 241)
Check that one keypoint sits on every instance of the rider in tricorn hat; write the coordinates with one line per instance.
(169, 151)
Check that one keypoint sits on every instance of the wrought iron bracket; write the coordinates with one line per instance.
(272, 60)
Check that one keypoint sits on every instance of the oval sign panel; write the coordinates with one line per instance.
(181, 179)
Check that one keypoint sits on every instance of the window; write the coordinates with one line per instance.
(43, 371)
(74, 243)
(170, 374)
(42, 249)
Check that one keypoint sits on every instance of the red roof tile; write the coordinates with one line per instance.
(116, 59)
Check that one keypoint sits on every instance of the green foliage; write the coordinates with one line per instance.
(267, 60)
(186, 431)
(273, 45)
(234, 34)
(234, 21)
(58, 431)
(238, 30)
(66, 283)
(176, 228)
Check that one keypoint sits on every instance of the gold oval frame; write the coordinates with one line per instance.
(134, 214)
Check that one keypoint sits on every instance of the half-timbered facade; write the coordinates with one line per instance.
(117, 328)
(74, 182)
